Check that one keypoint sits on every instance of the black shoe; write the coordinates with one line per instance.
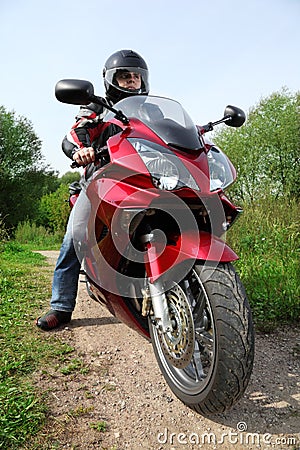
(53, 319)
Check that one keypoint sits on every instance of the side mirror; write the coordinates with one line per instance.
(75, 92)
(235, 116)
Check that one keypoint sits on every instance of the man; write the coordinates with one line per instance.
(125, 73)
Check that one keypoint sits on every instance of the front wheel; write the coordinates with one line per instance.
(216, 339)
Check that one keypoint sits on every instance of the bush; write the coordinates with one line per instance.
(266, 238)
(4, 235)
(54, 209)
(37, 236)
(3, 231)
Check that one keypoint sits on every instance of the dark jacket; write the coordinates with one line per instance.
(87, 130)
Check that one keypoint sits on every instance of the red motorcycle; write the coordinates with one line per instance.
(153, 250)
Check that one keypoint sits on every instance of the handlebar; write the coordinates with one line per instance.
(99, 153)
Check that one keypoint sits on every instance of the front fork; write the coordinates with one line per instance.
(154, 295)
(160, 307)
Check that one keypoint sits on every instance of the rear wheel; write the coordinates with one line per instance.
(207, 359)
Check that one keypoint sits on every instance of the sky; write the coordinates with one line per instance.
(203, 53)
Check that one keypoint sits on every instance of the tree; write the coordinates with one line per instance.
(69, 177)
(265, 150)
(24, 175)
(54, 209)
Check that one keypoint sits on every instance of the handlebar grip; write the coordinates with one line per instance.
(102, 151)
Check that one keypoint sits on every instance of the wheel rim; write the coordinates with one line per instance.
(196, 375)
(178, 345)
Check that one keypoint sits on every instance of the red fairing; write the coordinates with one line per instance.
(203, 247)
(72, 200)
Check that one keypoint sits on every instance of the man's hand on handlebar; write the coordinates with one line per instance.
(84, 156)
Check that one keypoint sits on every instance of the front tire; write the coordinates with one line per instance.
(222, 349)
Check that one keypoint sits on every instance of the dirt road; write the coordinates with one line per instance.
(112, 379)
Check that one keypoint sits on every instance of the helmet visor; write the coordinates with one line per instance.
(128, 79)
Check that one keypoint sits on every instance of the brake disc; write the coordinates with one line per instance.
(178, 344)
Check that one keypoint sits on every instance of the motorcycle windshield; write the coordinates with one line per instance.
(165, 117)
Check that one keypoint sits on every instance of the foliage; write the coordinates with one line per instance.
(99, 426)
(20, 148)
(74, 365)
(267, 240)
(265, 151)
(54, 209)
(4, 236)
(24, 175)
(68, 177)
(37, 237)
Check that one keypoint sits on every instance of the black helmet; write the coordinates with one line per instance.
(124, 60)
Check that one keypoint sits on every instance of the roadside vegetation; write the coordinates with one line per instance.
(33, 215)
(265, 152)
(24, 287)
(267, 240)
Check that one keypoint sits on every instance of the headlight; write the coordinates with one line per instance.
(164, 173)
(166, 169)
(220, 172)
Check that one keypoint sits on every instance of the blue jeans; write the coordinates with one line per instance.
(66, 273)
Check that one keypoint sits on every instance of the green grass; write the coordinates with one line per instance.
(267, 239)
(99, 426)
(24, 289)
(74, 365)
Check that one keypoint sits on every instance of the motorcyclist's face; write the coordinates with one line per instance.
(129, 80)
